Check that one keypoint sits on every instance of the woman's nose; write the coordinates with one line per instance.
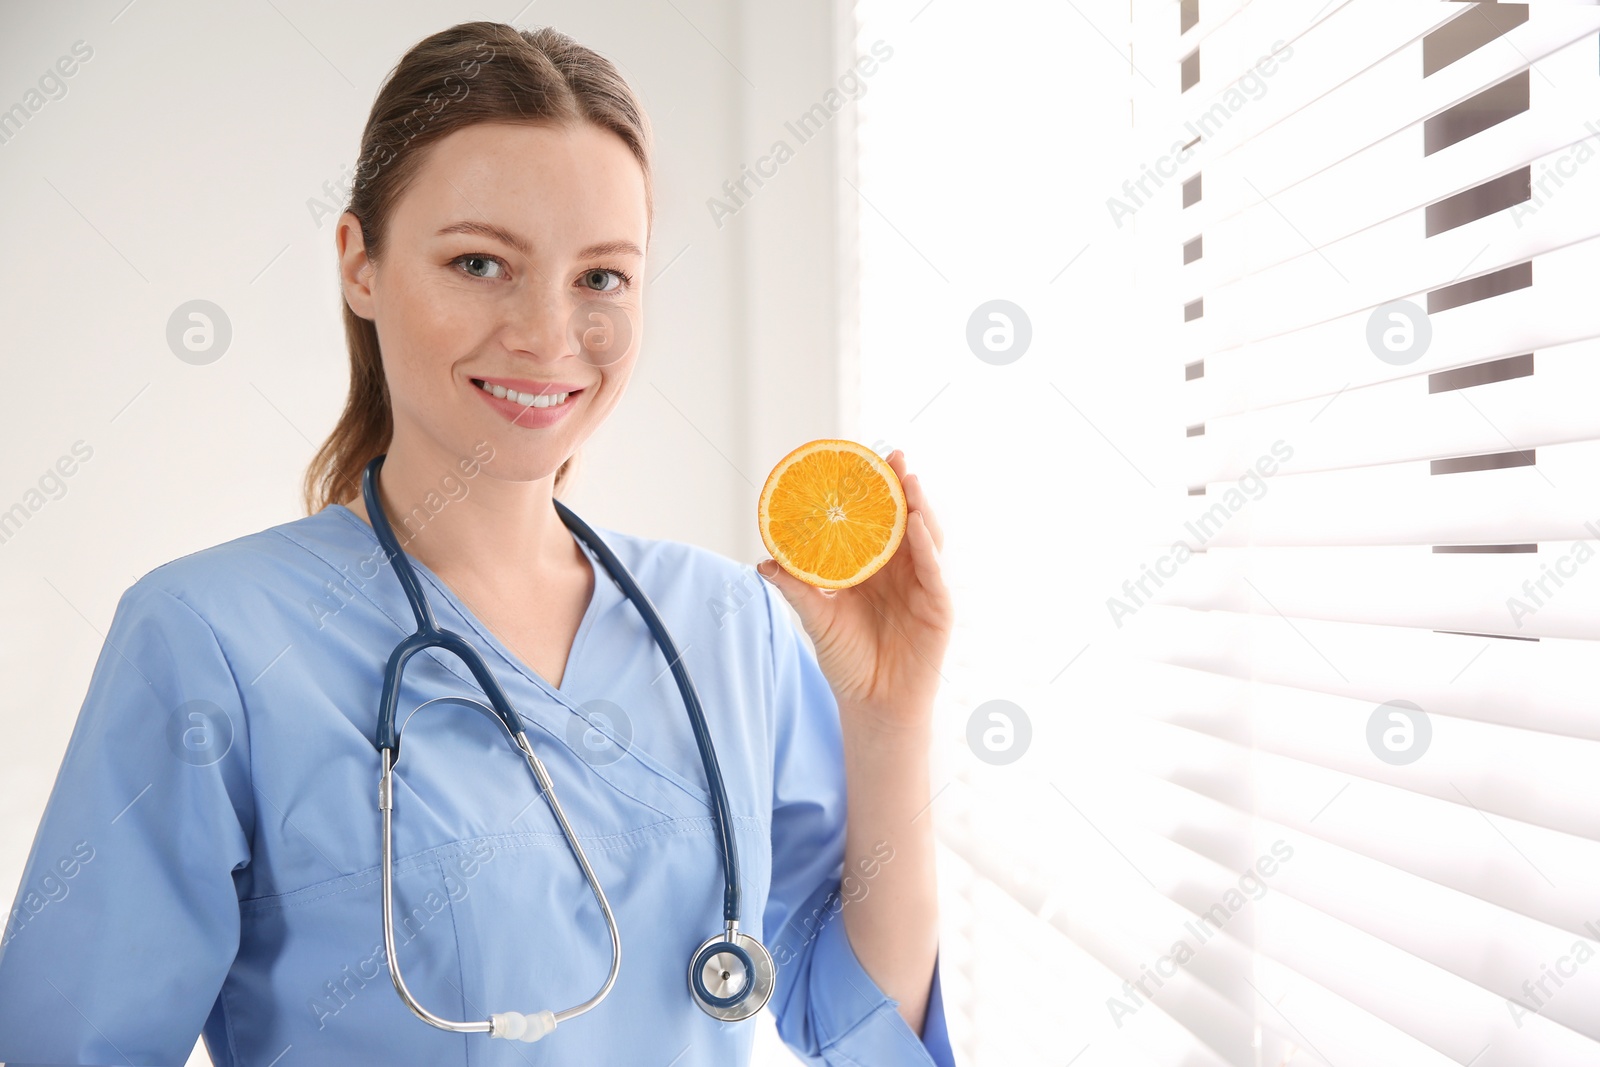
(538, 323)
(552, 325)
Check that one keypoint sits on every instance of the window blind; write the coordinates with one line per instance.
(1285, 532)
(1378, 655)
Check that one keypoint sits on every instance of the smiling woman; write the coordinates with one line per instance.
(263, 854)
(464, 303)
(531, 117)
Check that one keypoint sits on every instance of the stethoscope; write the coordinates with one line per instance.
(731, 975)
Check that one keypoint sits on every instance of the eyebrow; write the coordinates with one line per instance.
(499, 233)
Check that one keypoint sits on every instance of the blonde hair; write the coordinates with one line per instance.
(470, 73)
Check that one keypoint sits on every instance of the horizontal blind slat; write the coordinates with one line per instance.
(1554, 310)
(1510, 596)
(1386, 918)
(1547, 686)
(1551, 406)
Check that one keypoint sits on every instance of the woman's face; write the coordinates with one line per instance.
(515, 260)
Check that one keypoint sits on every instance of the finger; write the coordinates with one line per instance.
(804, 597)
(897, 463)
(917, 500)
(924, 557)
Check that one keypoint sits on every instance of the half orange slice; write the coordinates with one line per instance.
(832, 513)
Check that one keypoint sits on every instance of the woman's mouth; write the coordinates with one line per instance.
(535, 400)
(525, 409)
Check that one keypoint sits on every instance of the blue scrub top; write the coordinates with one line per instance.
(208, 860)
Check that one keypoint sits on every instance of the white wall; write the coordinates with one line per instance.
(178, 165)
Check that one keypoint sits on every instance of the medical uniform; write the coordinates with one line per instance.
(209, 859)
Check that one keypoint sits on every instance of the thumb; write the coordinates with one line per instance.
(802, 596)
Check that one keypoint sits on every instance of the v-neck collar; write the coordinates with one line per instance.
(600, 598)
(606, 594)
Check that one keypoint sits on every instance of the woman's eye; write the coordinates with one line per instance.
(600, 274)
(473, 259)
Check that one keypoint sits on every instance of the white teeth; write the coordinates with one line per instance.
(533, 400)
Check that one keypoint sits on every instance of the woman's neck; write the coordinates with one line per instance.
(464, 524)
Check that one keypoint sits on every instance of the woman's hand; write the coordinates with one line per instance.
(881, 643)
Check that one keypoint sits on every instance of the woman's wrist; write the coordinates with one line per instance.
(887, 732)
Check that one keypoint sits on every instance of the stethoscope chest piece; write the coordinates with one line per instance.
(731, 976)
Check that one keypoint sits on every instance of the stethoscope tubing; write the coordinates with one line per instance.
(742, 947)
(430, 635)
(691, 702)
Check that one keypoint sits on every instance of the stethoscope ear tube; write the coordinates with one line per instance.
(428, 635)
(391, 546)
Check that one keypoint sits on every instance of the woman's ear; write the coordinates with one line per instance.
(355, 267)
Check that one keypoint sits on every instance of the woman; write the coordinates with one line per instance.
(209, 859)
